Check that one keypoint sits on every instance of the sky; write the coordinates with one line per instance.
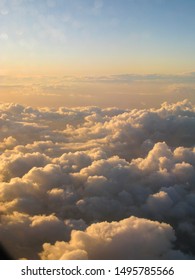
(85, 48)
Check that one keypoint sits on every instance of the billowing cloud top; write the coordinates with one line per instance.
(91, 183)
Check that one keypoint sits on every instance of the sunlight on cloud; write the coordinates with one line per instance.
(97, 129)
(123, 91)
(93, 183)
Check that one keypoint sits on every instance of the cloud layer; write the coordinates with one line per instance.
(91, 183)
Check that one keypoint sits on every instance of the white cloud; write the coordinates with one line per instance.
(4, 36)
(4, 11)
(131, 238)
(80, 167)
(51, 3)
(20, 232)
(97, 7)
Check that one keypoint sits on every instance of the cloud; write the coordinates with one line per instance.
(19, 232)
(67, 174)
(4, 11)
(16, 165)
(98, 5)
(51, 3)
(130, 78)
(131, 238)
(4, 37)
(125, 90)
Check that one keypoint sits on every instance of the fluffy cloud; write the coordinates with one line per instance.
(23, 235)
(18, 164)
(131, 238)
(68, 173)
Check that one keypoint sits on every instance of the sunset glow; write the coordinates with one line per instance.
(97, 129)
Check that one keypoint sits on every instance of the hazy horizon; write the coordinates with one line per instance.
(82, 52)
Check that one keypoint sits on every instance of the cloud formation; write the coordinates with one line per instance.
(131, 238)
(72, 179)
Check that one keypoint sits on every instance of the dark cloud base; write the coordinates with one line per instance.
(92, 183)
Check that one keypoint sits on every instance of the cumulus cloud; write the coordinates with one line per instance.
(132, 238)
(20, 231)
(68, 174)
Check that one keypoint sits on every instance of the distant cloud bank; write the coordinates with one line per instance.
(122, 90)
(92, 183)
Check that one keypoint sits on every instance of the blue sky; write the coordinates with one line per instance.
(96, 37)
(157, 35)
